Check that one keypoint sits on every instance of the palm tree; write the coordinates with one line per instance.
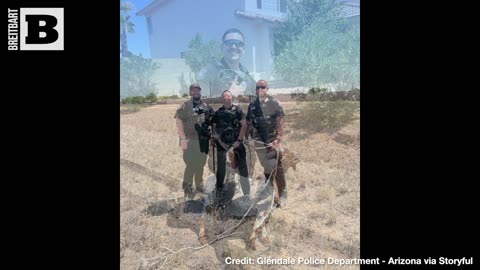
(126, 26)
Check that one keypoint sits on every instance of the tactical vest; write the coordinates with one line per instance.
(265, 124)
(227, 124)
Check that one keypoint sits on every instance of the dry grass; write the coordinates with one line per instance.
(322, 218)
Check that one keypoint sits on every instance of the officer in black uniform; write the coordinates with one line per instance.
(228, 73)
(230, 127)
(187, 115)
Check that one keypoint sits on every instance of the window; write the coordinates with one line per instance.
(270, 5)
(149, 25)
(273, 5)
(283, 6)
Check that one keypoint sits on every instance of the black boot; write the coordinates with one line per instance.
(188, 192)
(220, 199)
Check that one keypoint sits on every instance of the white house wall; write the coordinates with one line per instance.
(176, 22)
(250, 4)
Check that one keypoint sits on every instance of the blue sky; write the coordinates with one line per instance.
(138, 41)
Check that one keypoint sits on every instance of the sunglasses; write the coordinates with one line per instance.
(261, 87)
(231, 42)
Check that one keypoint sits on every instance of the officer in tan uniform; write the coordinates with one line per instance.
(187, 115)
(265, 116)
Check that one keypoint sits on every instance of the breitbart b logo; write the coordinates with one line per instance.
(41, 29)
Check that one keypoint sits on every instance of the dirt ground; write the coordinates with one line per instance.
(321, 220)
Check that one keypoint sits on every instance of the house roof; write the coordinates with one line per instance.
(150, 7)
(351, 8)
(258, 16)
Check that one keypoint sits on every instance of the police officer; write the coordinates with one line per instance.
(228, 73)
(230, 128)
(265, 117)
(187, 115)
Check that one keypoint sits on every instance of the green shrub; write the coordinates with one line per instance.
(134, 100)
(151, 98)
(316, 90)
(318, 47)
(136, 75)
(200, 53)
